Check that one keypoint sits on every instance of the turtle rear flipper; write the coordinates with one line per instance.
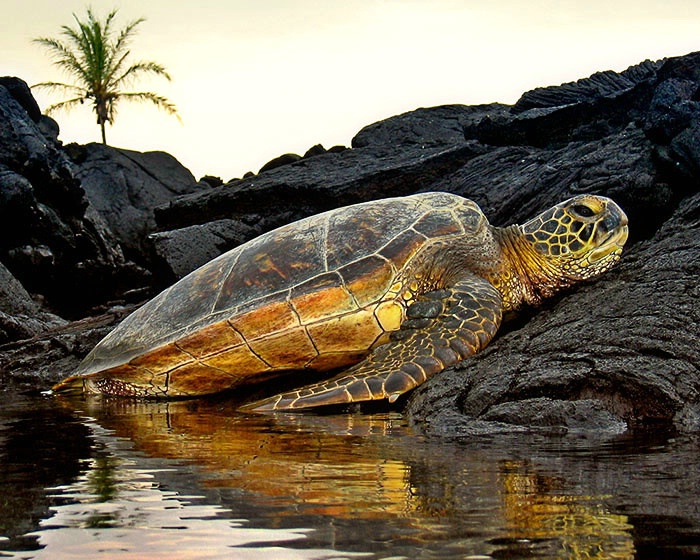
(443, 327)
(70, 386)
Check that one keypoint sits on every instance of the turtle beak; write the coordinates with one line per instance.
(611, 246)
(615, 219)
(614, 228)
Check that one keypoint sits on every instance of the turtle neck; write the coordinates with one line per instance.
(532, 277)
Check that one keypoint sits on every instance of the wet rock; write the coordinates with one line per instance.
(20, 316)
(41, 360)
(13, 297)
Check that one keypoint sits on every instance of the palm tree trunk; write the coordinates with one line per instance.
(102, 114)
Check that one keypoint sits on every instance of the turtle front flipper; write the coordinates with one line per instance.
(442, 328)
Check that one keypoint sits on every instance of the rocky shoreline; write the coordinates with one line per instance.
(91, 231)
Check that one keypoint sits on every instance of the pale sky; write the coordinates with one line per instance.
(253, 79)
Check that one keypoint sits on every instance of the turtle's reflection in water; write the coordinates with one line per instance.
(369, 476)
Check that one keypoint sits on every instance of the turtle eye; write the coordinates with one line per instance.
(583, 211)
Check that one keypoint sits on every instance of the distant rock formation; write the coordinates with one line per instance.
(125, 186)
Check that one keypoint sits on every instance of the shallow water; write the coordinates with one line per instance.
(119, 480)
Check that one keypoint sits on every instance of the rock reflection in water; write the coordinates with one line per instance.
(40, 446)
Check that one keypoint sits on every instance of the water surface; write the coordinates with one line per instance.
(123, 480)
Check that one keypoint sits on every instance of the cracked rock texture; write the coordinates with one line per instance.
(125, 186)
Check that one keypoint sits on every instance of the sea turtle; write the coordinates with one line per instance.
(395, 290)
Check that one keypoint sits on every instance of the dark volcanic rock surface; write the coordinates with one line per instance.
(125, 186)
(20, 316)
(47, 239)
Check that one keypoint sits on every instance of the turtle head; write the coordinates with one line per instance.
(579, 238)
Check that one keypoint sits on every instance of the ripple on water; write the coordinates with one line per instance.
(132, 517)
(196, 480)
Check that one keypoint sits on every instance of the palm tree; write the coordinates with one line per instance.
(94, 55)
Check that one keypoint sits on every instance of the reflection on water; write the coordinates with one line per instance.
(103, 479)
(538, 508)
(338, 466)
(117, 510)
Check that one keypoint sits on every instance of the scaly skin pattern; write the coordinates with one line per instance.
(395, 290)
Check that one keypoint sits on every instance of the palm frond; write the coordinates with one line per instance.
(66, 88)
(66, 105)
(94, 47)
(79, 45)
(158, 100)
(75, 54)
(107, 22)
(63, 57)
(115, 66)
(126, 34)
(142, 68)
(59, 49)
